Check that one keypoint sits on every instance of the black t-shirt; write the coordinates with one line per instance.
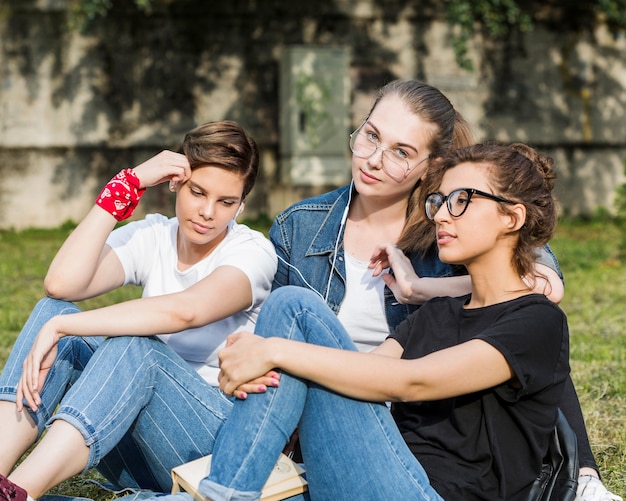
(489, 444)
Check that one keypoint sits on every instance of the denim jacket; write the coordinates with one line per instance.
(306, 234)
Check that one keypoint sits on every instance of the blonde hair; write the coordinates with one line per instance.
(449, 132)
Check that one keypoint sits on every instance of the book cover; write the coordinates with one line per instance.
(284, 481)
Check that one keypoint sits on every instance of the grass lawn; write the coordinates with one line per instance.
(593, 258)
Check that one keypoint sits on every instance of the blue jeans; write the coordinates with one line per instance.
(351, 449)
(141, 408)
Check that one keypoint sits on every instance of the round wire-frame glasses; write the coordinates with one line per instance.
(397, 166)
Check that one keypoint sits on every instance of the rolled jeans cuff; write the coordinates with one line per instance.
(75, 419)
(218, 492)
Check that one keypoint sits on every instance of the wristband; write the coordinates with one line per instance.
(121, 195)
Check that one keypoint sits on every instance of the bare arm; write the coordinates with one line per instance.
(200, 304)
(547, 282)
(369, 376)
(408, 288)
(85, 266)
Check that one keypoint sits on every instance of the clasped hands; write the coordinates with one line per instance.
(245, 365)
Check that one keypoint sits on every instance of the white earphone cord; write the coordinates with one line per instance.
(302, 277)
(344, 218)
(342, 224)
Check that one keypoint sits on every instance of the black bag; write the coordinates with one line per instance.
(559, 474)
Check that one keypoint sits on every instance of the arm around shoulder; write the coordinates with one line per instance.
(548, 275)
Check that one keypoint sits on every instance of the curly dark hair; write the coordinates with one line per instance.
(518, 173)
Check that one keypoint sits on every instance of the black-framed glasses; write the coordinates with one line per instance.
(395, 162)
(457, 201)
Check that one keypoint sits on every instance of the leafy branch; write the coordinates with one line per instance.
(83, 13)
(499, 17)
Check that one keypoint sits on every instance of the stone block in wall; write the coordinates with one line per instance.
(587, 177)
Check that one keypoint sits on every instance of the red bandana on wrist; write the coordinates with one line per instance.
(121, 195)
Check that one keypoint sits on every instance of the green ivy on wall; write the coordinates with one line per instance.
(496, 18)
(312, 96)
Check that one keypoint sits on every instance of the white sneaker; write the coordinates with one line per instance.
(591, 488)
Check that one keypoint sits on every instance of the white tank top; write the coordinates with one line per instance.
(362, 311)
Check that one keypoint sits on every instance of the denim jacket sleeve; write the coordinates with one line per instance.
(545, 256)
(308, 241)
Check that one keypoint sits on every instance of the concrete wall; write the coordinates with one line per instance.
(76, 108)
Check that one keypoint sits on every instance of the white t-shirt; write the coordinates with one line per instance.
(148, 253)
(362, 311)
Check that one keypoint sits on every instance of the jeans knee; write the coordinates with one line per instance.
(44, 310)
(53, 307)
(126, 343)
(135, 350)
(291, 297)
